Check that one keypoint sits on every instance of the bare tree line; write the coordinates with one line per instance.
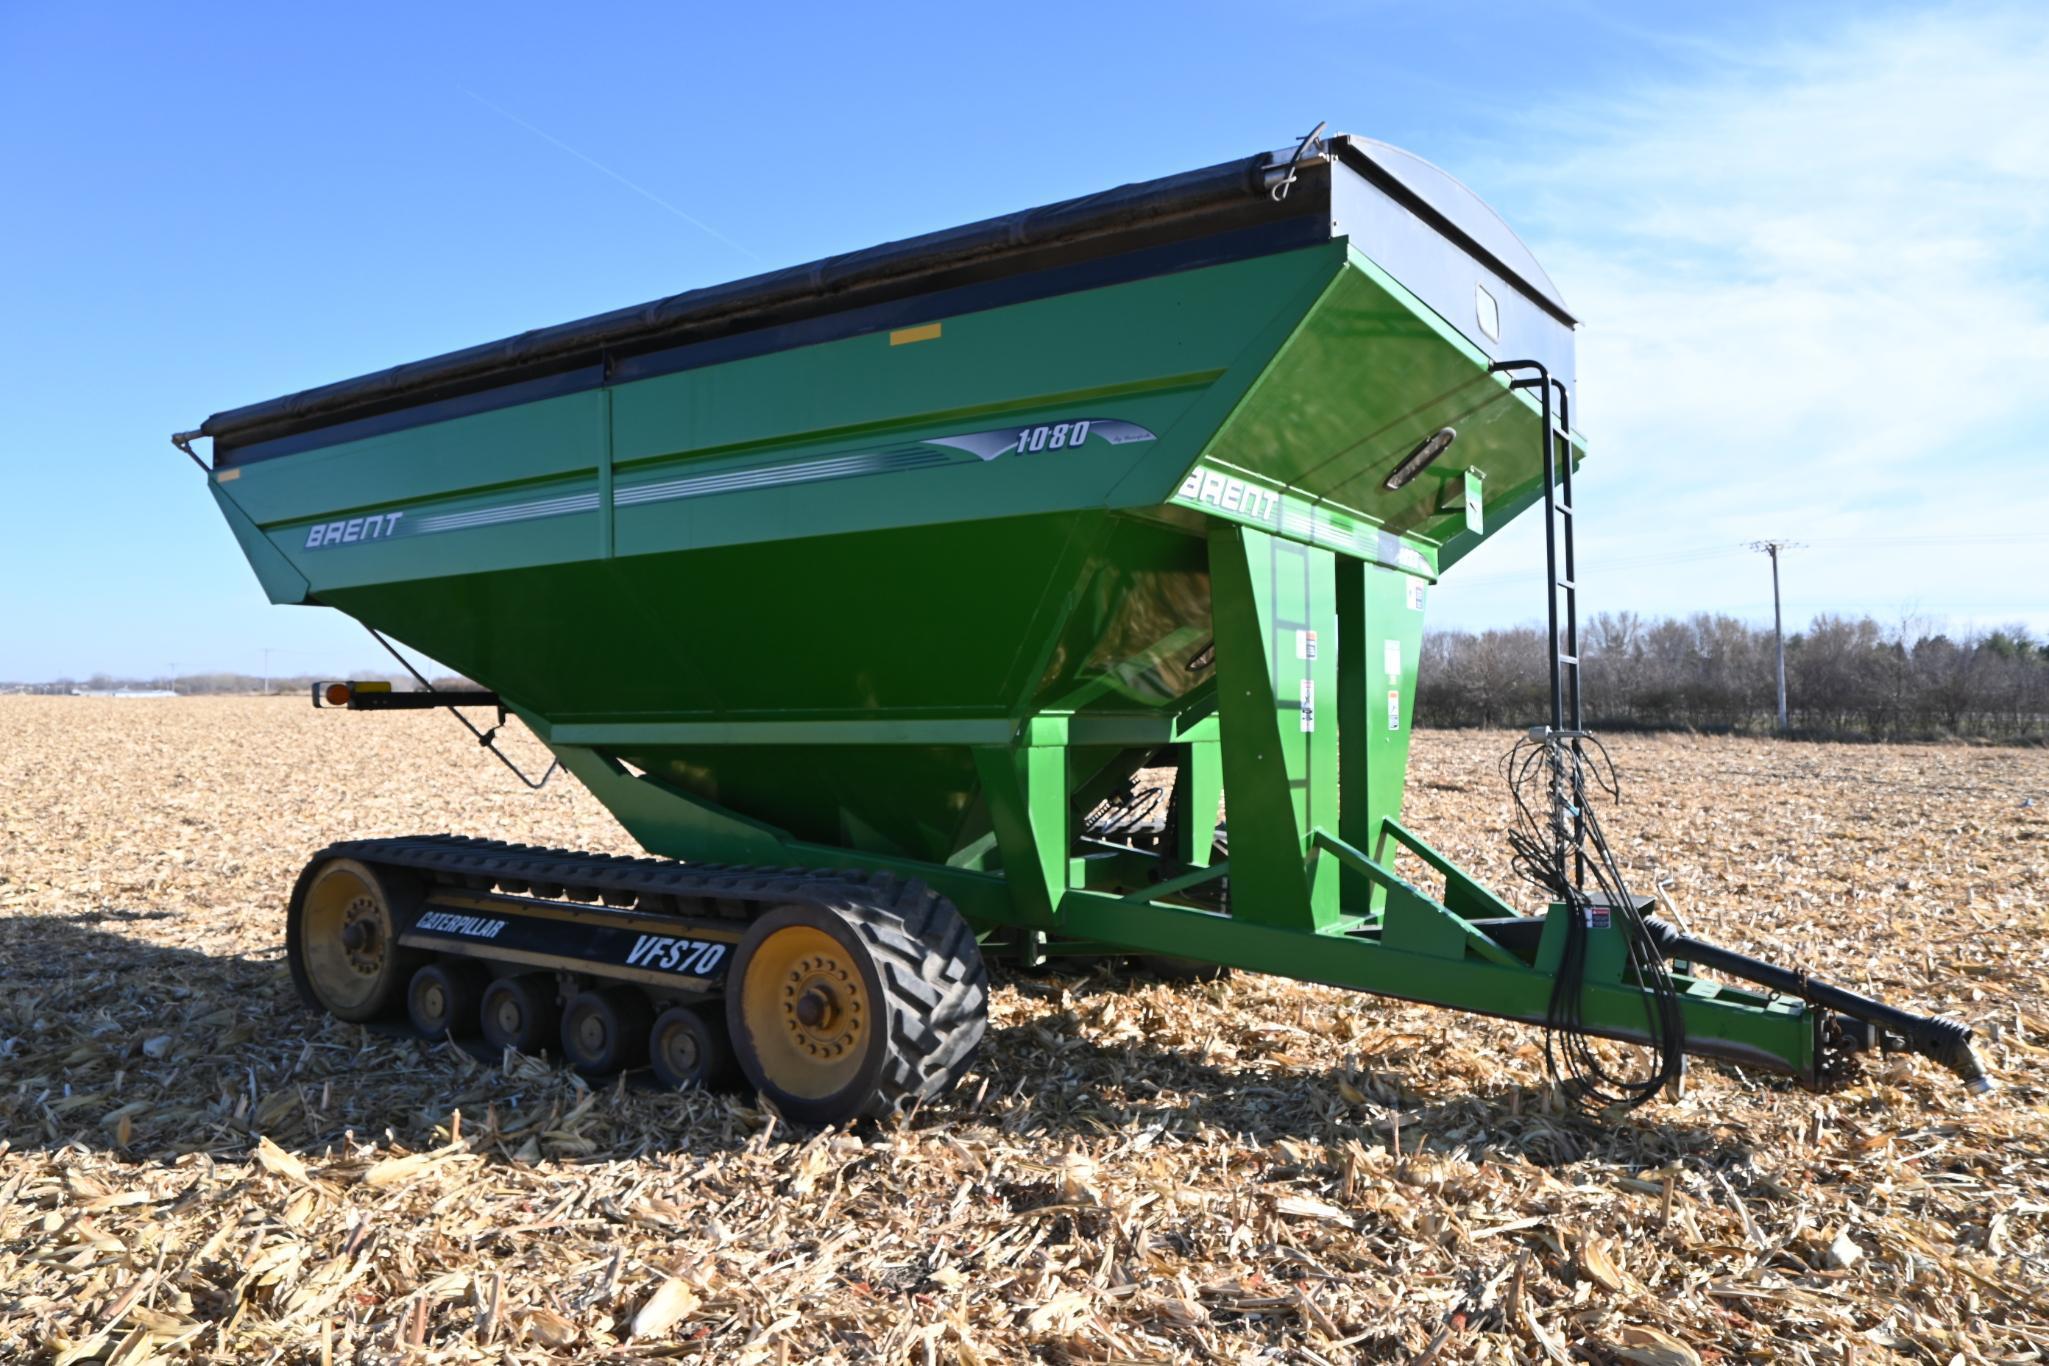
(1845, 676)
(206, 684)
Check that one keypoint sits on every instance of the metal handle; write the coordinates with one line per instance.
(1280, 178)
(183, 441)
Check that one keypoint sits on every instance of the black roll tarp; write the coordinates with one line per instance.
(1191, 198)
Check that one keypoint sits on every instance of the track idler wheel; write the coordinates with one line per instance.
(849, 1010)
(689, 1047)
(443, 997)
(341, 938)
(521, 1013)
(605, 1030)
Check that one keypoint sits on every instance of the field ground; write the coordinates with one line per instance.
(194, 1167)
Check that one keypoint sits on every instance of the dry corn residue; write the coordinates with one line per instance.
(193, 1166)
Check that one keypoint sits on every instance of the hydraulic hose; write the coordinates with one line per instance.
(1944, 1041)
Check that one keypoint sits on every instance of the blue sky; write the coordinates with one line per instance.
(1809, 248)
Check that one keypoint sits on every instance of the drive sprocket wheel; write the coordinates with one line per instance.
(843, 1010)
(341, 938)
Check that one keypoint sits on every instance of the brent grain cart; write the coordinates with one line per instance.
(860, 591)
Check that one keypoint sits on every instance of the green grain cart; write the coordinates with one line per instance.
(860, 591)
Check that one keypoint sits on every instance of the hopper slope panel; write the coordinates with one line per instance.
(910, 801)
(1369, 375)
(1127, 623)
(546, 638)
(948, 620)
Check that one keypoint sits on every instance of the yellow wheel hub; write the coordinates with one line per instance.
(348, 940)
(807, 1012)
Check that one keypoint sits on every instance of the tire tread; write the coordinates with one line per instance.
(931, 969)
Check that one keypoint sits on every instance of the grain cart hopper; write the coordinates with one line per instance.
(859, 592)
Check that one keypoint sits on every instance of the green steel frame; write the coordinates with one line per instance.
(1307, 899)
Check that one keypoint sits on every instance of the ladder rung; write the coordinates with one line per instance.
(1564, 645)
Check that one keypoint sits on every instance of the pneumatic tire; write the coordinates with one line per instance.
(844, 1010)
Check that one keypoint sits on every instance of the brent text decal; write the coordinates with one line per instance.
(372, 528)
(1221, 491)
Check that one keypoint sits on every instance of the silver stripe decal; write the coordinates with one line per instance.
(805, 472)
(661, 491)
(925, 455)
(511, 512)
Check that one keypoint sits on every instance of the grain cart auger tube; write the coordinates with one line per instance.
(854, 588)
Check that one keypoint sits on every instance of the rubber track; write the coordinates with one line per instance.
(930, 964)
(614, 880)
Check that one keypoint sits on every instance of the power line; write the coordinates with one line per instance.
(601, 167)
(1690, 554)
(1972, 538)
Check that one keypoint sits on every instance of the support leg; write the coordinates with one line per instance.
(1274, 605)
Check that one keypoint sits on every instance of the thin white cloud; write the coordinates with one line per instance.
(1816, 285)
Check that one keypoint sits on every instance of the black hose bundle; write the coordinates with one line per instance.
(1559, 848)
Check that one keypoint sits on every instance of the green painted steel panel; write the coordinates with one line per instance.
(1276, 619)
(1380, 644)
(1367, 377)
(1169, 334)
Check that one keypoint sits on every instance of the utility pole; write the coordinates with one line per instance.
(1772, 548)
(266, 670)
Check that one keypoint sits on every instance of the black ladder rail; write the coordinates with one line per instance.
(1569, 656)
(1568, 718)
(1570, 583)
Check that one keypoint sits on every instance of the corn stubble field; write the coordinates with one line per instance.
(195, 1167)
